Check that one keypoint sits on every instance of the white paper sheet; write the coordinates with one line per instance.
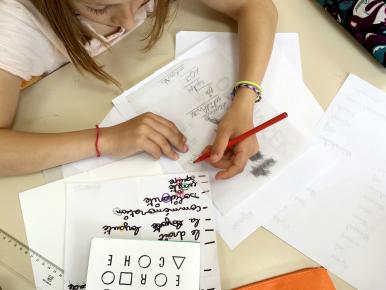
(43, 207)
(304, 120)
(165, 207)
(340, 219)
(286, 43)
(143, 265)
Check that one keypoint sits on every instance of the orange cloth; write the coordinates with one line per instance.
(305, 279)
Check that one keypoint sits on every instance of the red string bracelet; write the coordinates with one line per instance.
(98, 153)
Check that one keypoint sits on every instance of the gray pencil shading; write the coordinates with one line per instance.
(257, 156)
(263, 166)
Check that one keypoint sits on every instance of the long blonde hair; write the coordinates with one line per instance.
(74, 35)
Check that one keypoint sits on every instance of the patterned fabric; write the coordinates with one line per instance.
(365, 20)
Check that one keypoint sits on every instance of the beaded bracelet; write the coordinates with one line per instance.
(249, 85)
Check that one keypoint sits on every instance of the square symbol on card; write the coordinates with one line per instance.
(126, 278)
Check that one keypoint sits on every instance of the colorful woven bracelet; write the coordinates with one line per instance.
(249, 85)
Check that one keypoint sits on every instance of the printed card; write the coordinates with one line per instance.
(143, 265)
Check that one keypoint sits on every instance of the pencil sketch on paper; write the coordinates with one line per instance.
(261, 166)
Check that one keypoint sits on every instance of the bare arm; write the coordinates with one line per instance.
(23, 153)
(256, 21)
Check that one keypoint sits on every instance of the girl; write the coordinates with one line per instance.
(38, 36)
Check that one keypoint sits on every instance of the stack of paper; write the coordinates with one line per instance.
(204, 71)
(194, 92)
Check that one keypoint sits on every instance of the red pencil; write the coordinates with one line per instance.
(245, 135)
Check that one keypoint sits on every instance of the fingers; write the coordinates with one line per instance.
(225, 162)
(238, 163)
(151, 148)
(169, 130)
(219, 145)
(162, 143)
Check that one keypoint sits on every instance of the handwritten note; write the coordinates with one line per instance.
(344, 209)
(143, 265)
(164, 208)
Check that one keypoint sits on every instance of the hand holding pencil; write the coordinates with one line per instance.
(232, 142)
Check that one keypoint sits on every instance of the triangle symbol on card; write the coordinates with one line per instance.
(178, 261)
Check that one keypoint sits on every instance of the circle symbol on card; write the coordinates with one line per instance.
(108, 277)
(160, 280)
(144, 261)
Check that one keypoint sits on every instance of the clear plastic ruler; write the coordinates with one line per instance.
(17, 259)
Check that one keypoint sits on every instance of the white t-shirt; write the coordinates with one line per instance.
(29, 47)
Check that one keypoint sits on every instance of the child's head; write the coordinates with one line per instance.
(114, 13)
(62, 16)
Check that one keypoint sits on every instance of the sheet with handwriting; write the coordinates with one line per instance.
(339, 220)
(286, 42)
(44, 211)
(167, 208)
(194, 93)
